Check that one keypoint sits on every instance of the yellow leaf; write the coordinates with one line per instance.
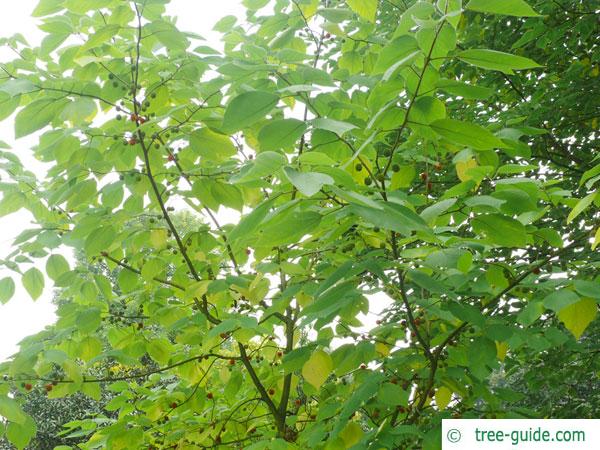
(501, 349)
(317, 368)
(367, 9)
(303, 299)
(158, 238)
(442, 397)
(360, 175)
(258, 289)
(404, 177)
(596, 239)
(197, 289)
(578, 316)
(352, 434)
(462, 168)
(310, 10)
(382, 349)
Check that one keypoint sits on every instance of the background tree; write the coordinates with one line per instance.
(422, 155)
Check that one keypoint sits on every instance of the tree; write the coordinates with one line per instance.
(422, 155)
(53, 415)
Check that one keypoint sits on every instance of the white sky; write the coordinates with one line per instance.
(21, 317)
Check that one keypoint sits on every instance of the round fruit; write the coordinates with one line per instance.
(271, 391)
(424, 176)
(368, 181)
(396, 168)
(209, 396)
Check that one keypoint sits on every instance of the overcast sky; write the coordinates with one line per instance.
(21, 317)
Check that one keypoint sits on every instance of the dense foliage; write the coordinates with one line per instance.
(431, 161)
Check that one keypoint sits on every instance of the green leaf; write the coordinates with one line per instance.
(532, 311)
(265, 164)
(360, 396)
(468, 91)
(426, 110)
(588, 288)
(517, 8)
(467, 134)
(33, 282)
(47, 7)
(392, 217)
(581, 206)
(56, 265)
(225, 24)
(393, 52)
(11, 411)
(7, 289)
(560, 299)
(281, 134)
(308, 183)
(500, 230)
(99, 240)
(227, 195)
(591, 173)
(211, 145)
(318, 368)
(89, 320)
(248, 108)
(336, 15)
(160, 350)
(443, 395)
(432, 212)
(37, 115)
(577, 316)
(392, 395)
(405, 61)
(367, 9)
(152, 268)
(21, 434)
(254, 5)
(335, 126)
(495, 60)
(17, 86)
